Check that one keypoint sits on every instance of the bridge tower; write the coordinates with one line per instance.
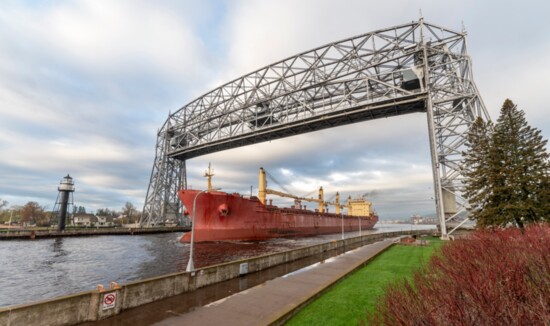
(410, 68)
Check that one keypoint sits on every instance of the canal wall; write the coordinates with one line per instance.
(103, 303)
(19, 234)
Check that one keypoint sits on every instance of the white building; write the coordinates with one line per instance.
(86, 220)
(105, 221)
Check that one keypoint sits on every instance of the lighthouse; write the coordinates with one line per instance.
(66, 188)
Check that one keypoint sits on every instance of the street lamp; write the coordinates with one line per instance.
(190, 266)
(9, 225)
(342, 214)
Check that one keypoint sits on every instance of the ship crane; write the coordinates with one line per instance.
(337, 204)
(263, 191)
(356, 207)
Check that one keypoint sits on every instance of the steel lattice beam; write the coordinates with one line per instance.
(415, 67)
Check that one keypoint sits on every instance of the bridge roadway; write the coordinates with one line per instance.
(272, 302)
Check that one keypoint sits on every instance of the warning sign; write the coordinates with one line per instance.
(109, 300)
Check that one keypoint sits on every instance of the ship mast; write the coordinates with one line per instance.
(337, 203)
(262, 186)
(209, 174)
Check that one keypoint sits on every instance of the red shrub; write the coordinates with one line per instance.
(497, 277)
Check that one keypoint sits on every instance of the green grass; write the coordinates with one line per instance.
(347, 302)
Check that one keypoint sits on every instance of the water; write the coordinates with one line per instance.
(46, 268)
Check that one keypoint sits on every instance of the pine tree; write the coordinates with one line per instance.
(507, 172)
(523, 166)
(477, 169)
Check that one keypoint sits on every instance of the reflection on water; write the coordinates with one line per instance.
(57, 248)
(40, 269)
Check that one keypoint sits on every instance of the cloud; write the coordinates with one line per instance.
(390, 155)
(84, 86)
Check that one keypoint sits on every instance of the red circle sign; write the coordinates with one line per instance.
(109, 299)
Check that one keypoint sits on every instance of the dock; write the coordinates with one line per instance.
(41, 234)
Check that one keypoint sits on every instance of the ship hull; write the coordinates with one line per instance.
(221, 216)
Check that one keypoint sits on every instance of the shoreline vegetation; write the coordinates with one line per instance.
(490, 277)
(495, 277)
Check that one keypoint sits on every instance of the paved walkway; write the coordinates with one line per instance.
(272, 301)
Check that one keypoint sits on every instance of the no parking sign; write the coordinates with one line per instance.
(109, 300)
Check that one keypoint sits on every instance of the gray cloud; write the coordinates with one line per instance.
(85, 85)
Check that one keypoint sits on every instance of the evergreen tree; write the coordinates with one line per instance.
(507, 171)
(521, 151)
(477, 169)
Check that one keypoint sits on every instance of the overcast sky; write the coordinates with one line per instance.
(84, 86)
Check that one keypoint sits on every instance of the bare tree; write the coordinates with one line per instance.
(129, 210)
(3, 203)
(32, 211)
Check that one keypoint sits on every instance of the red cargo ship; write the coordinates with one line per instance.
(224, 216)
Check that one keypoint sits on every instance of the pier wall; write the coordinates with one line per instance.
(98, 304)
(26, 234)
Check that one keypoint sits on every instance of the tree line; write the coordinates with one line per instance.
(34, 213)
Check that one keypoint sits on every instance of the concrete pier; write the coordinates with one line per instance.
(39, 234)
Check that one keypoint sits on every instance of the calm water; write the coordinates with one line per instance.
(41, 269)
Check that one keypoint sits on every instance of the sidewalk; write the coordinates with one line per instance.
(276, 300)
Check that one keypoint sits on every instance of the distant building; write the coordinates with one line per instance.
(86, 220)
(105, 221)
(417, 219)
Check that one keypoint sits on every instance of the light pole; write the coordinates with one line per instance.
(359, 225)
(9, 225)
(190, 266)
(342, 225)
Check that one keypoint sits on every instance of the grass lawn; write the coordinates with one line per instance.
(347, 301)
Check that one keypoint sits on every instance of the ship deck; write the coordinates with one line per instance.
(273, 208)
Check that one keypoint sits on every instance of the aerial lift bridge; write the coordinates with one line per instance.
(414, 67)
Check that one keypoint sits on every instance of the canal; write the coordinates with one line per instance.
(42, 269)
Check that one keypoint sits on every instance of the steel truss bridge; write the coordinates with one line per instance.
(415, 67)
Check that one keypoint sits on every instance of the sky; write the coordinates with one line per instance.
(85, 85)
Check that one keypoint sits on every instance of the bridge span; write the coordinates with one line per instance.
(414, 67)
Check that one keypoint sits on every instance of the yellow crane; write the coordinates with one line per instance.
(263, 191)
(356, 207)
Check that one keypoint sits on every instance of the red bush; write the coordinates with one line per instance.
(497, 277)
